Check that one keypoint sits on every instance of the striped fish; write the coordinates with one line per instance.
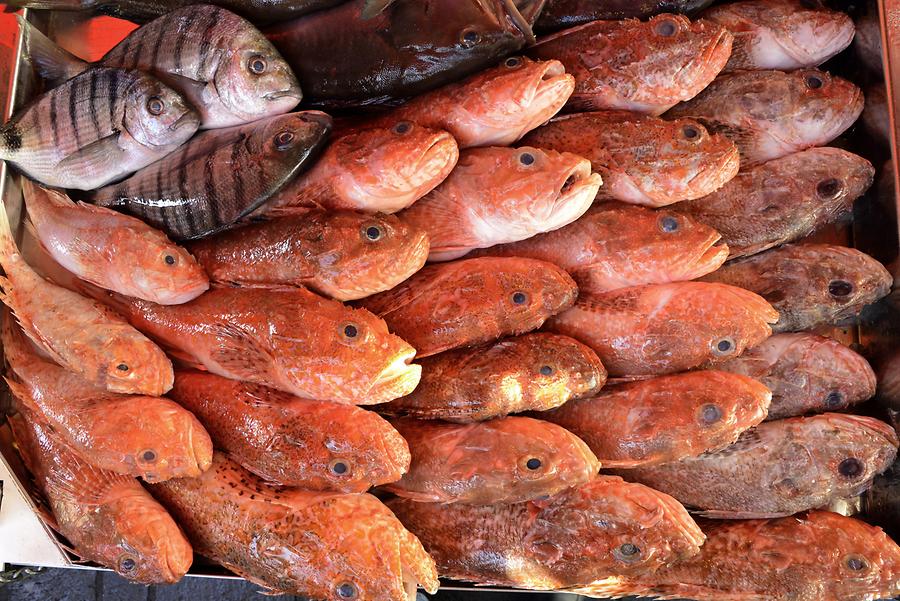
(220, 176)
(221, 63)
(97, 128)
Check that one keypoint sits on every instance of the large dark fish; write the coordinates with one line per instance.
(342, 59)
(565, 13)
(809, 284)
(220, 176)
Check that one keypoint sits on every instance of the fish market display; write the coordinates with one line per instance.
(565, 13)
(782, 34)
(500, 195)
(468, 302)
(784, 199)
(532, 372)
(220, 176)
(100, 246)
(343, 255)
(816, 555)
(667, 328)
(342, 59)
(529, 459)
(604, 527)
(617, 245)
(218, 61)
(664, 419)
(809, 284)
(286, 338)
(144, 436)
(770, 114)
(322, 545)
(780, 467)
(644, 160)
(806, 374)
(97, 128)
(109, 518)
(646, 67)
(495, 107)
(377, 170)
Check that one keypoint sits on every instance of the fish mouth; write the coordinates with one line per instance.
(552, 87)
(398, 379)
(442, 144)
(721, 171)
(577, 190)
(692, 537)
(292, 92)
(715, 253)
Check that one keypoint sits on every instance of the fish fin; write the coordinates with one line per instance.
(373, 8)
(100, 155)
(396, 298)
(240, 352)
(192, 89)
(446, 221)
(743, 138)
(18, 390)
(53, 64)
(714, 514)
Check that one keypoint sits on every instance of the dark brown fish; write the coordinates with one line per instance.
(780, 468)
(565, 13)
(784, 199)
(806, 374)
(875, 117)
(533, 372)
(867, 41)
(809, 284)
(604, 527)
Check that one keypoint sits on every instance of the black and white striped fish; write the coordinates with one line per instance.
(220, 62)
(220, 176)
(97, 128)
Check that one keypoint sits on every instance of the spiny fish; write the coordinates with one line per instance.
(374, 170)
(644, 160)
(506, 460)
(809, 284)
(780, 467)
(664, 328)
(770, 114)
(782, 34)
(814, 556)
(96, 128)
(565, 13)
(469, 302)
(343, 254)
(664, 419)
(617, 245)
(499, 195)
(495, 107)
(109, 518)
(221, 175)
(322, 545)
(806, 373)
(642, 66)
(111, 250)
(78, 333)
(218, 61)
(144, 436)
(783, 199)
(604, 527)
(532, 372)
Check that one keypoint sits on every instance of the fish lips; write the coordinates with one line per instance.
(398, 379)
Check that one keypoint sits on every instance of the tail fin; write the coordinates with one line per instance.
(40, 203)
(50, 62)
(9, 252)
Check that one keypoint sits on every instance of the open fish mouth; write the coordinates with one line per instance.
(715, 253)
(576, 184)
(440, 146)
(397, 379)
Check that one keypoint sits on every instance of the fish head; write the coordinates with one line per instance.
(822, 106)
(533, 288)
(745, 404)
(738, 318)
(809, 34)
(284, 142)
(357, 253)
(253, 80)
(835, 177)
(837, 376)
(562, 367)
(853, 449)
(134, 364)
(157, 116)
(392, 167)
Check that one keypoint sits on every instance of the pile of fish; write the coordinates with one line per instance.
(549, 296)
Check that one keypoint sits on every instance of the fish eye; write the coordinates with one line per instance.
(691, 132)
(723, 347)
(519, 298)
(372, 233)
(834, 400)
(533, 464)
(666, 28)
(127, 564)
(349, 332)
(546, 370)
(283, 140)
(339, 467)
(469, 38)
(851, 467)
(814, 81)
(829, 189)
(149, 456)
(257, 65)
(710, 414)
(402, 127)
(627, 552)
(122, 367)
(840, 288)
(169, 259)
(513, 62)
(668, 224)
(857, 563)
(526, 158)
(155, 105)
(346, 590)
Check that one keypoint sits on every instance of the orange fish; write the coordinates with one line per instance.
(78, 333)
(472, 301)
(292, 441)
(815, 556)
(666, 418)
(343, 255)
(377, 170)
(535, 372)
(529, 459)
(644, 160)
(109, 518)
(494, 107)
(500, 195)
(617, 245)
(144, 436)
(666, 328)
(321, 545)
(641, 66)
(604, 527)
